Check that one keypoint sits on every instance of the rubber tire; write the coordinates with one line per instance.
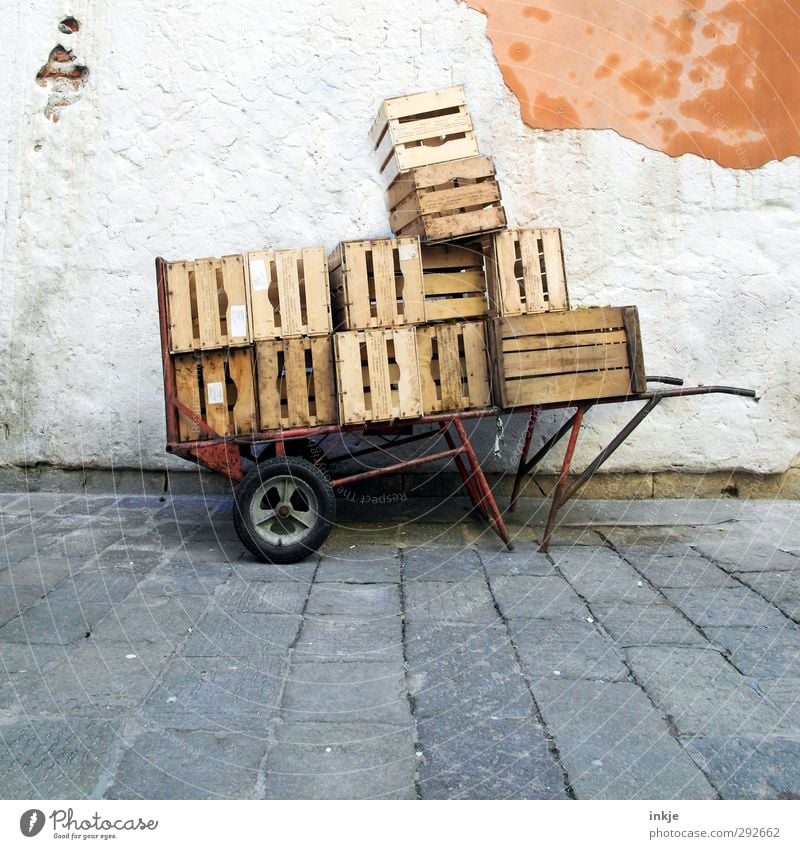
(250, 485)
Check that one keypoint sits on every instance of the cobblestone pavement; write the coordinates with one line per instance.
(653, 654)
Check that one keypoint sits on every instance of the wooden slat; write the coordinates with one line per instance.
(268, 379)
(380, 388)
(187, 391)
(179, 307)
(408, 388)
(476, 364)
(452, 257)
(259, 283)
(448, 309)
(240, 369)
(422, 102)
(207, 303)
(449, 366)
(323, 380)
(467, 223)
(296, 382)
(235, 290)
(213, 364)
(567, 387)
(630, 315)
(429, 394)
(413, 292)
(532, 282)
(291, 320)
(461, 197)
(415, 157)
(318, 295)
(383, 275)
(473, 168)
(507, 296)
(446, 284)
(357, 298)
(572, 321)
(566, 360)
(403, 132)
(554, 266)
(348, 375)
(563, 340)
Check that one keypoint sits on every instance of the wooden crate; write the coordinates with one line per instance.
(288, 293)
(377, 375)
(219, 387)
(377, 284)
(525, 272)
(453, 367)
(422, 129)
(558, 357)
(454, 282)
(446, 201)
(295, 382)
(207, 304)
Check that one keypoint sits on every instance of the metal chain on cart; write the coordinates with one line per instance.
(498, 438)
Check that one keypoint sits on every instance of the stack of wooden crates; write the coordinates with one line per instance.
(454, 313)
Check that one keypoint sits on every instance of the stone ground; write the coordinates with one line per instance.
(653, 654)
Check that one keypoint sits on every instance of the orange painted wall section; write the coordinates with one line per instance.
(715, 78)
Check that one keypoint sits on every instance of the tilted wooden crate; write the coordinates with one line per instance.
(288, 293)
(377, 375)
(422, 129)
(525, 272)
(207, 304)
(295, 382)
(577, 355)
(219, 388)
(454, 282)
(377, 284)
(453, 367)
(446, 201)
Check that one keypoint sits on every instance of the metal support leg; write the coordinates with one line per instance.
(523, 457)
(558, 500)
(486, 497)
(469, 483)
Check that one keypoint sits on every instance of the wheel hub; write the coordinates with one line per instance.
(284, 510)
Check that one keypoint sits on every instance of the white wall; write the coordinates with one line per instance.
(207, 129)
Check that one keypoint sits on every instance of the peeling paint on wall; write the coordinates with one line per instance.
(711, 77)
(62, 74)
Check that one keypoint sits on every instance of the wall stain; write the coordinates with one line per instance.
(64, 77)
(716, 78)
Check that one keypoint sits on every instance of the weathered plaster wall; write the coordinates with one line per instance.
(209, 128)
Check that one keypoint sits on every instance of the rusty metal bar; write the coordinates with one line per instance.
(469, 483)
(396, 467)
(484, 491)
(523, 457)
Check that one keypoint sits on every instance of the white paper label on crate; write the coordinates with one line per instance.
(214, 392)
(238, 320)
(407, 250)
(258, 275)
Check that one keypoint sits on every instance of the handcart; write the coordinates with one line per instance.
(285, 484)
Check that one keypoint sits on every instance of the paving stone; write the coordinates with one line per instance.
(91, 585)
(83, 506)
(57, 623)
(346, 692)
(602, 575)
(552, 649)
(647, 624)
(486, 758)
(140, 561)
(760, 652)
(781, 588)
(725, 606)
(359, 571)
(85, 544)
(689, 571)
(218, 694)
(173, 764)
(354, 601)
(615, 745)
(302, 572)
(784, 693)
(466, 671)
(416, 533)
(152, 619)
(566, 537)
(701, 692)
(41, 503)
(342, 546)
(178, 578)
(13, 600)
(524, 560)
(745, 556)
(262, 597)
(335, 760)
(241, 635)
(326, 638)
(750, 768)
(219, 551)
(525, 597)
(663, 536)
(41, 573)
(448, 564)
(83, 680)
(54, 758)
(436, 601)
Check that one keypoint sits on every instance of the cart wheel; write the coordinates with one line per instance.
(284, 509)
